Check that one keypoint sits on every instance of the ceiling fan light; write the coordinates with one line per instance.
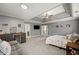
(24, 6)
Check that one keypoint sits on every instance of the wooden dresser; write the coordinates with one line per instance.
(72, 48)
(20, 37)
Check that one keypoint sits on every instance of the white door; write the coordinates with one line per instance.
(44, 30)
(27, 30)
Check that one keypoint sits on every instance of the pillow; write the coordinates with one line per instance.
(72, 35)
(5, 47)
(75, 34)
(68, 36)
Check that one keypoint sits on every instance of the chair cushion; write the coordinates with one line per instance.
(13, 43)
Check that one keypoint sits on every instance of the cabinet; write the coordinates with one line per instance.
(20, 37)
(7, 37)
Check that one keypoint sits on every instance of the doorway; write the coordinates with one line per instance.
(27, 30)
(44, 30)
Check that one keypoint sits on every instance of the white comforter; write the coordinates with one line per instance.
(57, 40)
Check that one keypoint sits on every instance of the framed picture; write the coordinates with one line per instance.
(68, 25)
(61, 25)
(57, 26)
(4, 24)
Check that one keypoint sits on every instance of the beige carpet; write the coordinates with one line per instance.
(37, 46)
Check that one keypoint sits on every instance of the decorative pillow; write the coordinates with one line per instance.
(68, 36)
(5, 47)
(72, 37)
(74, 34)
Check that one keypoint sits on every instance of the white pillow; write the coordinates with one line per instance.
(74, 34)
(68, 36)
(5, 47)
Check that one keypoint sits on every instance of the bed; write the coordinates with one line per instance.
(59, 40)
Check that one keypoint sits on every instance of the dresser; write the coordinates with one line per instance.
(20, 37)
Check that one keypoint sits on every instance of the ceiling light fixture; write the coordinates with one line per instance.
(45, 15)
(24, 6)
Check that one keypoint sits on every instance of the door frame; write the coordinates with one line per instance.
(42, 30)
(28, 30)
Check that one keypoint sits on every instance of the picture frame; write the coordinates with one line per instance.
(4, 24)
(61, 25)
(68, 25)
(57, 26)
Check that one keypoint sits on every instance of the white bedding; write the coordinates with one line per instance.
(57, 40)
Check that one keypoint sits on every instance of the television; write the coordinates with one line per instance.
(36, 27)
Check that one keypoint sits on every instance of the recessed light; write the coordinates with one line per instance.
(24, 6)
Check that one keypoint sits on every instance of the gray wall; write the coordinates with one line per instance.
(53, 30)
(35, 32)
(12, 22)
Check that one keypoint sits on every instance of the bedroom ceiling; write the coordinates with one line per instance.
(59, 12)
(33, 10)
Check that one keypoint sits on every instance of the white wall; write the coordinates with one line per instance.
(12, 22)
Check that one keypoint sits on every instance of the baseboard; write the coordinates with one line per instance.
(35, 36)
